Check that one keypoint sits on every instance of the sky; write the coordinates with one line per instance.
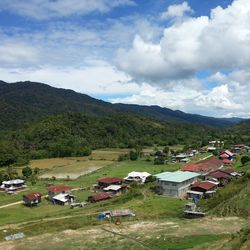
(191, 55)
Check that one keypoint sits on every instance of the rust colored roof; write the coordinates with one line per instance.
(227, 152)
(226, 161)
(99, 197)
(204, 185)
(59, 188)
(204, 165)
(224, 156)
(218, 174)
(228, 170)
(109, 180)
(33, 196)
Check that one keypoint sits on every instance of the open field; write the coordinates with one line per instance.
(146, 234)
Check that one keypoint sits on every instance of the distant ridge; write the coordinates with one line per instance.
(26, 102)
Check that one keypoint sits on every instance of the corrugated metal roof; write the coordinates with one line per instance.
(33, 196)
(203, 184)
(59, 188)
(178, 176)
(109, 180)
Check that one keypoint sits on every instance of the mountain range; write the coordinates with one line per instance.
(22, 103)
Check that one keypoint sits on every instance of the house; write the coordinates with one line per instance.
(137, 176)
(107, 181)
(115, 189)
(32, 199)
(201, 189)
(175, 184)
(99, 197)
(226, 155)
(12, 185)
(54, 191)
(205, 166)
(220, 176)
(203, 186)
(181, 158)
(215, 144)
(63, 199)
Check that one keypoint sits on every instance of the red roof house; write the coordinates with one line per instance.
(32, 198)
(228, 170)
(55, 190)
(107, 181)
(58, 189)
(203, 186)
(99, 197)
(220, 175)
(204, 166)
(226, 155)
(227, 162)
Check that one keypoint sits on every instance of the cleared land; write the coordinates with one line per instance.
(157, 234)
(73, 167)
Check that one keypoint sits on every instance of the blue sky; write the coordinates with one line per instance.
(189, 55)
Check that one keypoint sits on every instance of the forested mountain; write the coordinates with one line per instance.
(27, 102)
(75, 134)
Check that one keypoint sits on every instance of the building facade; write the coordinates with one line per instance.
(175, 184)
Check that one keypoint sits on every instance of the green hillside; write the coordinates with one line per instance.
(23, 103)
(75, 134)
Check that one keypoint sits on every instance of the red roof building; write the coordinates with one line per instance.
(57, 189)
(228, 170)
(204, 166)
(203, 186)
(106, 181)
(227, 162)
(218, 174)
(99, 197)
(32, 198)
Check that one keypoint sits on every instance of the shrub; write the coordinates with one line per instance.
(245, 159)
(133, 156)
(27, 172)
(159, 161)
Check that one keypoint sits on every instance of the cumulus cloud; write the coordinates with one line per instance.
(177, 11)
(97, 78)
(221, 41)
(15, 53)
(220, 101)
(45, 9)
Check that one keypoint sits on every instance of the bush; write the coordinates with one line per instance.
(133, 156)
(245, 159)
(27, 172)
(159, 161)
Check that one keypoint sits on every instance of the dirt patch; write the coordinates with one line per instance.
(142, 229)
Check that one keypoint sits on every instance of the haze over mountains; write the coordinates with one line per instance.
(26, 102)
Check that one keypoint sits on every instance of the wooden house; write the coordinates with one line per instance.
(99, 197)
(32, 199)
(107, 181)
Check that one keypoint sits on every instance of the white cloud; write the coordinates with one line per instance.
(219, 101)
(45, 9)
(221, 41)
(15, 53)
(97, 78)
(177, 11)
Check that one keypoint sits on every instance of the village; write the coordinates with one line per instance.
(191, 182)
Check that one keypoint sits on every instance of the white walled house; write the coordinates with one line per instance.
(175, 184)
(12, 185)
(137, 176)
